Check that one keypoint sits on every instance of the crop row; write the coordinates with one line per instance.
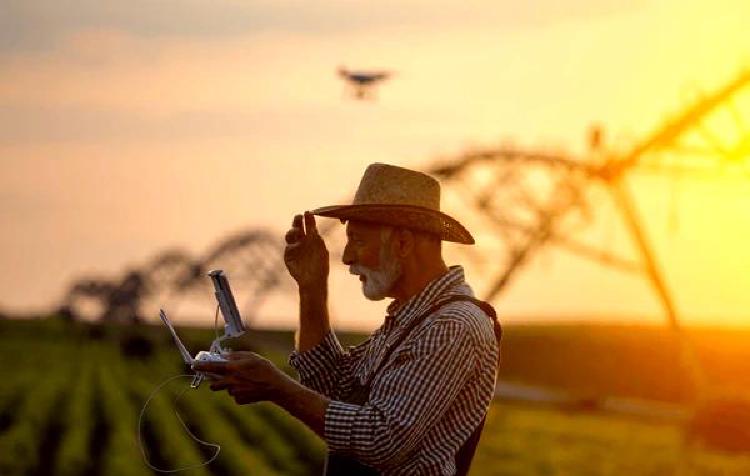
(25, 441)
(283, 444)
(121, 455)
(202, 416)
(77, 422)
(75, 417)
(162, 436)
(237, 458)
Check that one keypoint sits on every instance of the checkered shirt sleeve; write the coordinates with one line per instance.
(327, 368)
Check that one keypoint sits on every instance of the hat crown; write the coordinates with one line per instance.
(384, 184)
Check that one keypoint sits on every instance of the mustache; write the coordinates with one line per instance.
(359, 270)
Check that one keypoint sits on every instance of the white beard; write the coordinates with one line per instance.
(378, 282)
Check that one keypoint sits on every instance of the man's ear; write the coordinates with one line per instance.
(405, 241)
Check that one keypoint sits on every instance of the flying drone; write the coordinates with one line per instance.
(362, 82)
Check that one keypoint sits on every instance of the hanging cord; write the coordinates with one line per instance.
(176, 413)
(216, 322)
(216, 344)
(182, 422)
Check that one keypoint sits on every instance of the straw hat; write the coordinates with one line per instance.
(396, 196)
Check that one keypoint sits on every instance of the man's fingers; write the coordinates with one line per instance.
(239, 355)
(219, 368)
(291, 251)
(310, 225)
(297, 223)
(293, 235)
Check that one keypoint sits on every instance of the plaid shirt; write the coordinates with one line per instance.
(428, 398)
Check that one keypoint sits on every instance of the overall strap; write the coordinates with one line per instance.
(466, 451)
(490, 311)
(418, 320)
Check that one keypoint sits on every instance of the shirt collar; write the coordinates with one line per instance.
(403, 311)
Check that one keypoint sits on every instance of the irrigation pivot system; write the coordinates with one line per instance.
(524, 199)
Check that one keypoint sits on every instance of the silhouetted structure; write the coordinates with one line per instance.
(253, 259)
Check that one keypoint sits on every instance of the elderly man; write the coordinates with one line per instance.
(412, 398)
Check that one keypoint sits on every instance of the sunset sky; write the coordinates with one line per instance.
(130, 127)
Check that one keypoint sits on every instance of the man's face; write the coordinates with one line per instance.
(369, 255)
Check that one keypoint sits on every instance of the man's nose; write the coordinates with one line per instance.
(347, 257)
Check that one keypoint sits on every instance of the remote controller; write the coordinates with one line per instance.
(233, 328)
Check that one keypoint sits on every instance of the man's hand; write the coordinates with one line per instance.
(306, 256)
(247, 377)
(250, 378)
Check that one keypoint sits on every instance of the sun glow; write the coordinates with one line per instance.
(120, 139)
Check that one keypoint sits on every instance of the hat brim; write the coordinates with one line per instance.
(408, 216)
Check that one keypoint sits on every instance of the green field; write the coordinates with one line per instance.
(72, 393)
